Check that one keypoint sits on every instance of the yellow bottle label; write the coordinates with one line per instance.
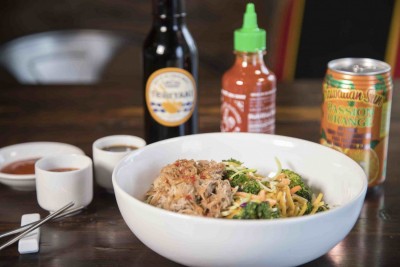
(171, 96)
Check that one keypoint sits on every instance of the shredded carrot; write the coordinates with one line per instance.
(280, 176)
(295, 189)
(283, 182)
(272, 202)
(261, 195)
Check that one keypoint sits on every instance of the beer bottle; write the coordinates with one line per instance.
(170, 64)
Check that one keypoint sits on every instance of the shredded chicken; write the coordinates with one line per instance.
(192, 187)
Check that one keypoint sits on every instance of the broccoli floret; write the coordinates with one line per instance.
(238, 180)
(227, 174)
(320, 209)
(233, 161)
(309, 208)
(255, 210)
(323, 208)
(295, 179)
(245, 183)
(247, 212)
(251, 186)
(264, 211)
(228, 171)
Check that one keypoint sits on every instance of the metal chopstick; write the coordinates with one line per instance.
(36, 225)
(22, 228)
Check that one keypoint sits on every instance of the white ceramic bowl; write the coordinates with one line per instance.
(198, 241)
(55, 189)
(30, 150)
(104, 161)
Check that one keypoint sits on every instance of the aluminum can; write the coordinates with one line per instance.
(357, 98)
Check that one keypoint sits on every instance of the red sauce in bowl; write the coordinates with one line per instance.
(26, 166)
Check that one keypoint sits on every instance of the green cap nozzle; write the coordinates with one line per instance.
(250, 38)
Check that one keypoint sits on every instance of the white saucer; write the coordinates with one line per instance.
(26, 182)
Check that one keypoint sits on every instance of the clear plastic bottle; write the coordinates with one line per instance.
(249, 88)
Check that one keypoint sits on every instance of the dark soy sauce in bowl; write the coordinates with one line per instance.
(119, 148)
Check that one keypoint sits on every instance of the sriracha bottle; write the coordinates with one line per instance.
(249, 87)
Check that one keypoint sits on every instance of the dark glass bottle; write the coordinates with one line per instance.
(170, 64)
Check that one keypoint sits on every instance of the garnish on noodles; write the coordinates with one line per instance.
(228, 189)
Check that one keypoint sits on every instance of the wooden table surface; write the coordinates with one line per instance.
(98, 236)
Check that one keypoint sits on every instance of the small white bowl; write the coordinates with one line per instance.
(56, 189)
(199, 241)
(29, 150)
(105, 161)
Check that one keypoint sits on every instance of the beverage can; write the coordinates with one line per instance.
(357, 98)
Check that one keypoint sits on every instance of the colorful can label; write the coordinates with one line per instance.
(171, 96)
(356, 108)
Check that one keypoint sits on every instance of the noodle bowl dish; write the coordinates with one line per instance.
(239, 199)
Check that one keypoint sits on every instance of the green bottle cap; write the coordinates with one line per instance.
(250, 38)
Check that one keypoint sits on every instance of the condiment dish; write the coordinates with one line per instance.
(61, 179)
(108, 151)
(201, 241)
(29, 150)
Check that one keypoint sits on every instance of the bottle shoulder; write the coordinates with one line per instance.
(242, 78)
(164, 43)
(249, 72)
(169, 35)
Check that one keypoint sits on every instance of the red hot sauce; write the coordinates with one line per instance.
(249, 87)
(26, 166)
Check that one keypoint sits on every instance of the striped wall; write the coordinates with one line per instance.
(312, 32)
